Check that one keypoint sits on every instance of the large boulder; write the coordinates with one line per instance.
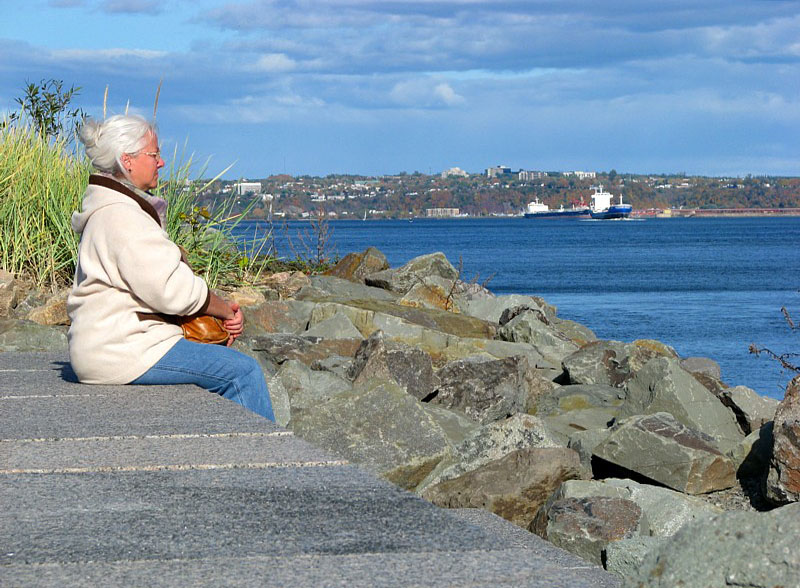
(355, 266)
(667, 510)
(274, 349)
(662, 385)
(758, 550)
(381, 427)
(752, 456)
(485, 391)
(286, 284)
(783, 481)
(513, 487)
(278, 316)
(10, 291)
(532, 327)
(664, 450)
(331, 288)
(383, 359)
(612, 363)
(702, 365)
(52, 312)
(585, 526)
(491, 309)
(750, 409)
(489, 443)
(336, 327)
(307, 388)
(431, 292)
(402, 279)
(569, 409)
(21, 335)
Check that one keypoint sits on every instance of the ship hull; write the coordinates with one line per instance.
(613, 212)
(553, 214)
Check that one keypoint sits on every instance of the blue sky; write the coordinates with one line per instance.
(378, 87)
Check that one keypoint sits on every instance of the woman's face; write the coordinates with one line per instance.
(144, 164)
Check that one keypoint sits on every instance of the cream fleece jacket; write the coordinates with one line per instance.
(126, 264)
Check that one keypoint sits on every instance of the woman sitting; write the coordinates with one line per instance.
(130, 279)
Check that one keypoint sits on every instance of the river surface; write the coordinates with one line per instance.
(706, 286)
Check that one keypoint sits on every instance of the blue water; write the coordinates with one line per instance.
(707, 287)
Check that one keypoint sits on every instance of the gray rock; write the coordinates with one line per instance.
(322, 288)
(491, 309)
(783, 480)
(702, 365)
(662, 385)
(355, 266)
(278, 316)
(403, 278)
(274, 349)
(569, 409)
(612, 363)
(279, 397)
(10, 291)
(410, 368)
(753, 454)
(336, 327)
(584, 442)
(660, 448)
(23, 335)
(513, 487)
(381, 427)
(667, 511)
(431, 292)
(490, 443)
(335, 364)
(308, 388)
(750, 409)
(757, 550)
(575, 332)
(485, 391)
(528, 327)
(585, 526)
(624, 557)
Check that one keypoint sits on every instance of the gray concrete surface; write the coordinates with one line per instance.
(172, 485)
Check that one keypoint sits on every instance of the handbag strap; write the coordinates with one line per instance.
(112, 184)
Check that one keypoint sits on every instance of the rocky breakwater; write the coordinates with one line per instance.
(623, 453)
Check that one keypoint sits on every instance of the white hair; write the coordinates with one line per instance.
(106, 141)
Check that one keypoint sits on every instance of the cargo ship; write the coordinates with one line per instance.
(603, 209)
(538, 209)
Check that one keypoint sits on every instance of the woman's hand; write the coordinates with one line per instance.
(235, 325)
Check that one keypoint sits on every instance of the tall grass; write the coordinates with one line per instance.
(41, 184)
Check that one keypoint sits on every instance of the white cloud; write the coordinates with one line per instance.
(448, 95)
(105, 54)
(274, 62)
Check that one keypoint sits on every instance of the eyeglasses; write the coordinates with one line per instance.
(154, 154)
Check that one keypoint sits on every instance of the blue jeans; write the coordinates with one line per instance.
(219, 369)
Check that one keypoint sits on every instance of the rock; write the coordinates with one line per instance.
(702, 365)
(662, 449)
(380, 359)
(667, 511)
(307, 388)
(492, 309)
(432, 292)
(579, 334)
(585, 526)
(624, 557)
(485, 391)
(513, 487)
(490, 443)
(569, 409)
(783, 480)
(584, 442)
(528, 327)
(663, 386)
(750, 409)
(335, 364)
(287, 284)
(333, 289)
(278, 316)
(52, 312)
(246, 297)
(22, 335)
(10, 290)
(403, 278)
(279, 397)
(280, 347)
(355, 266)
(612, 363)
(752, 456)
(336, 327)
(757, 550)
(381, 427)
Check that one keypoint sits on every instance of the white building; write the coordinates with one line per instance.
(242, 188)
(498, 170)
(527, 176)
(441, 212)
(454, 171)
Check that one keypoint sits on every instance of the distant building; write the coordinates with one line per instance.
(454, 171)
(527, 176)
(242, 188)
(582, 175)
(441, 212)
(499, 170)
